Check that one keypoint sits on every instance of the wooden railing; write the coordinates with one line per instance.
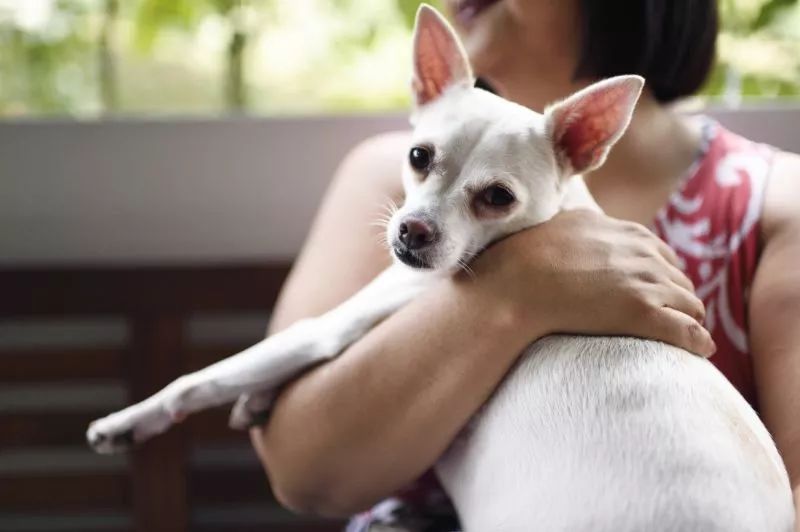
(161, 486)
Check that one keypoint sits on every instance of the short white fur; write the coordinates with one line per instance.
(600, 434)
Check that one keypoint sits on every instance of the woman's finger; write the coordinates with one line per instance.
(684, 300)
(678, 277)
(667, 252)
(677, 328)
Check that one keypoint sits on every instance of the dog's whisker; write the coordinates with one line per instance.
(389, 206)
(384, 242)
(382, 221)
(382, 239)
(465, 267)
(380, 233)
(388, 210)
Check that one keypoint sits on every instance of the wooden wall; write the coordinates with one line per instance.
(199, 477)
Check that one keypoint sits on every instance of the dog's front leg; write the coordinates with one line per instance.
(264, 366)
(346, 324)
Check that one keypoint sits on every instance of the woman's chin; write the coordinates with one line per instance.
(465, 13)
(484, 38)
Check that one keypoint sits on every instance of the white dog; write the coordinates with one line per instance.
(586, 433)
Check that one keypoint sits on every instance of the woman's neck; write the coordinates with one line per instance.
(647, 163)
(644, 167)
(659, 146)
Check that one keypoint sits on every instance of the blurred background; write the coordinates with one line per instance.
(97, 58)
(160, 163)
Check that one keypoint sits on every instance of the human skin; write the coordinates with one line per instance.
(370, 421)
(362, 426)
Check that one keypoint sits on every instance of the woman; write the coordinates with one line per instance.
(371, 422)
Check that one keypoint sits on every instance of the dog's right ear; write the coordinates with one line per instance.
(439, 59)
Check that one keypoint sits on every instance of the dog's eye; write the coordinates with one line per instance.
(497, 196)
(420, 158)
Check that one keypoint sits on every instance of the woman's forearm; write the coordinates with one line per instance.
(371, 421)
(365, 424)
(368, 422)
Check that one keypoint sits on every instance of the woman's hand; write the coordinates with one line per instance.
(595, 275)
(370, 421)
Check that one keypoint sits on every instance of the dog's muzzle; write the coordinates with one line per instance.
(410, 258)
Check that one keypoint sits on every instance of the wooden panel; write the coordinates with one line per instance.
(160, 498)
(64, 492)
(212, 427)
(285, 527)
(60, 365)
(44, 429)
(74, 291)
(159, 487)
(67, 521)
(228, 486)
(200, 357)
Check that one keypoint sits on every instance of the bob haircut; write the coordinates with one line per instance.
(671, 43)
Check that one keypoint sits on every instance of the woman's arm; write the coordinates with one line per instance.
(322, 449)
(367, 423)
(775, 315)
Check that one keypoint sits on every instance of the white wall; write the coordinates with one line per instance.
(195, 191)
(179, 191)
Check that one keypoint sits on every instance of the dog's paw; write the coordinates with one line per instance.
(250, 411)
(119, 432)
(104, 441)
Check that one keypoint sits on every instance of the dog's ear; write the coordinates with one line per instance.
(583, 127)
(439, 59)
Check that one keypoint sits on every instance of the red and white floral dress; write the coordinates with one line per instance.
(712, 223)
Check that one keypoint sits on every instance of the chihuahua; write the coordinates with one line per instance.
(584, 433)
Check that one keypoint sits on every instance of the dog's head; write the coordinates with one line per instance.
(481, 167)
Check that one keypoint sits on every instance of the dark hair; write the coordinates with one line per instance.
(671, 43)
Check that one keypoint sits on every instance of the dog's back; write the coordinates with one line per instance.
(617, 435)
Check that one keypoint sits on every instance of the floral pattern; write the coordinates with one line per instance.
(712, 223)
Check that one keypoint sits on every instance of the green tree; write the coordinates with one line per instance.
(155, 16)
(408, 9)
(106, 57)
(47, 69)
(758, 51)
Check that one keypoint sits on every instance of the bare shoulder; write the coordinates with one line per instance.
(343, 251)
(379, 159)
(782, 201)
(384, 145)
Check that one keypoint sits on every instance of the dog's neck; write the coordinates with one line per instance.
(576, 195)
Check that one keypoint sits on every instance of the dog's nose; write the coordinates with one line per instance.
(416, 234)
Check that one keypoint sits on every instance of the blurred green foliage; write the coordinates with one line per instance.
(36, 67)
(92, 57)
(758, 50)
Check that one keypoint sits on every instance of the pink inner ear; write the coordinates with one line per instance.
(585, 129)
(438, 59)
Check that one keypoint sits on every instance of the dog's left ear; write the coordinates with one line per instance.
(585, 126)
(439, 59)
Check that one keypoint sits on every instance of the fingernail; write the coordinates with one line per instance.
(713, 349)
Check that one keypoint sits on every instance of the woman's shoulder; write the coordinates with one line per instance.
(744, 182)
(379, 159)
(780, 179)
(383, 144)
(771, 192)
(782, 198)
